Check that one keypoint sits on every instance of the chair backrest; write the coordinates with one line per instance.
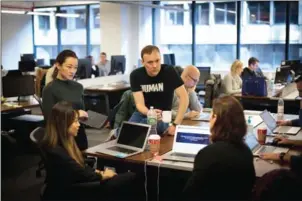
(212, 90)
(40, 75)
(37, 135)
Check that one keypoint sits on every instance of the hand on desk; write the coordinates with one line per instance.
(270, 156)
(192, 114)
(107, 174)
(283, 123)
(170, 130)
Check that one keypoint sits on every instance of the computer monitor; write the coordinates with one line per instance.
(118, 63)
(40, 62)
(15, 86)
(84, 69)
(27, 66)
(204, 75)
(169, 59)
(27, 57)
(294, 65)
(290, 62)
(283, 75)
(52, 62)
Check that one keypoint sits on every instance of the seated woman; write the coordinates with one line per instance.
(232, 82)
(223, 170)
(65, 165)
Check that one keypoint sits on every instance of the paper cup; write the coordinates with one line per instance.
(166, 116)
(261, 133)
(154, 144)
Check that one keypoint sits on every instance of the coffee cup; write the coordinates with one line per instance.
(154, 144)
(166, 116)
(261, 134)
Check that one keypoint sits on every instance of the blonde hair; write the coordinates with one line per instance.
(235, 65)
(61, 118)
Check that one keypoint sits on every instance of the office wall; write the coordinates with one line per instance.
(17, 38)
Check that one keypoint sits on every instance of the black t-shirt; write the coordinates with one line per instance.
(158, 91)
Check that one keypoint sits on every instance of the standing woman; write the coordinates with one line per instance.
(63, 87)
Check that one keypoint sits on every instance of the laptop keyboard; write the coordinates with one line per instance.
(266, 149)
(122, 150)
(183, 155)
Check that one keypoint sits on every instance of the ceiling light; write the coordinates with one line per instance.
(67, 15)
(39, 13)
(13, 11)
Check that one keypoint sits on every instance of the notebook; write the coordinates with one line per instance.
(131, 140)
(188, 141)
(271, 123)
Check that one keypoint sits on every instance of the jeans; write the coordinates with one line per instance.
(137, 117)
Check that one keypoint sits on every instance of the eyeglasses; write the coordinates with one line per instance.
(194, 80)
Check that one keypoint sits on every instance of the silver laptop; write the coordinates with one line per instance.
(271, 123)
(256, 148)
(131, 140)
(203, 116)
(188, 141)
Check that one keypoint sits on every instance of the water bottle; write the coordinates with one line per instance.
(280, 109)
(250, 127)
(152, 120)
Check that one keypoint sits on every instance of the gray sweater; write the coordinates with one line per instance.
(194, 104)
(232, 84)
(59, 90)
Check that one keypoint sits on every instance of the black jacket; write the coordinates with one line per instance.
(250, 73)
(222, 171)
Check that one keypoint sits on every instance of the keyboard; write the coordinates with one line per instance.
(266, 149)
(122, 150)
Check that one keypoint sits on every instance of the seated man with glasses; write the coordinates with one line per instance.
(190, 76)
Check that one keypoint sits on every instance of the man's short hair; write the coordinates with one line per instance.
(149, 49)
(103, 53)
(252, 60)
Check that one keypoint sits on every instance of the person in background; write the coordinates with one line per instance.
(154, 85)
(62, 87)
(104, 65)
(226, 159)
(190, 76)
(65, 164)
(294, 161)
(253, 69)
(232, 82)
(94, 68)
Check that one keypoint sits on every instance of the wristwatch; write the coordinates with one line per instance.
(174, 124)
(281, 156)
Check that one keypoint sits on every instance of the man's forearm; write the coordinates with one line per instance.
(182, 108)
(142, 109)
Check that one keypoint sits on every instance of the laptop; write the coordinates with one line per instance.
(188, 141)
(131, 140)
(271, 123)
(95, 119)
(257, 149)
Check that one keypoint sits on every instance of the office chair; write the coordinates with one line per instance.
(212, 89)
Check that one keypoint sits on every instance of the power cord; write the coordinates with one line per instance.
(146, 178)
(146, 181)
(158, 175)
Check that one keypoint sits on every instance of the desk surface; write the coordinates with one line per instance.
(261, 166)
(108, 87)
(10, 106)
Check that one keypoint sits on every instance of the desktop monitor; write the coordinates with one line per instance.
(290, 62)
(84, 69)
(40, 62)
(169, 59)
(52, 62)
(204, 75)
(15, 86)
(27, 66)
(283, 75)
(118, 63)
(294, 65)
(27, 57)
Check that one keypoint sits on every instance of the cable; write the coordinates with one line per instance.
(158, 171)
(145, 170)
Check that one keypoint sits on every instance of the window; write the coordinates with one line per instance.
(295, 39)
(44, 22)
(74, 35)
(280, 12)
(202, 14)
(174, 17)
(259, 12)
(225, 13)
(46, 36)
(174, 39)
(266, 43)
(95, 33)
(63, 20)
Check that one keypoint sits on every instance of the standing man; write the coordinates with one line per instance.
(253, 69)
(154, 85)
(104, 65)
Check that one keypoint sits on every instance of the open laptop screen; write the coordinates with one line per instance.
(132, 134)
(268, 120)
(191, 139)
(251, 141)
